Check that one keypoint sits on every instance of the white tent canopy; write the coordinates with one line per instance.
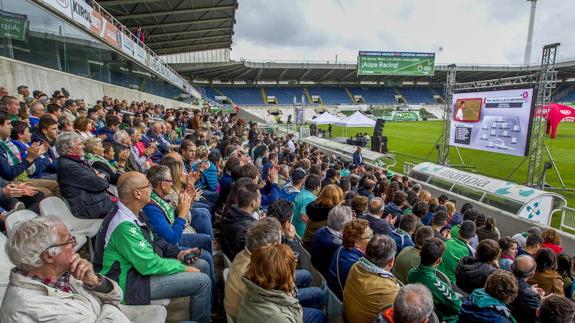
(357, 119)
(325, 118)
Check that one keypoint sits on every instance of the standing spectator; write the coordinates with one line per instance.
(356, 234)
(140, 35)
(409, 257)
(445, 300)
(357, 157)
(370, 285)
(472, 272)
(457, 248)
(329, 238)
(528, 300)
(552, 240)
(565, 269)
(489, 230)
(293, 187)
(489, 304)
(438, 223)
(546, 276)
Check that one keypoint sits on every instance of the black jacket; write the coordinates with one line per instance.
(377, 225)
(316, 212)
(525, 306)
(471, 274)
(234, 227)
(83, 189)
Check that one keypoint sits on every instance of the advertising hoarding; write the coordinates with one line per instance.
(395, 63)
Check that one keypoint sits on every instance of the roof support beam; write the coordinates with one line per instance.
(189, 32)
(282, 74)
(306, 73)
(105, 3)
(183, 23)
(348, 74)
(193, 39)
(172, 12)
(323, 77)
(231, 72)
(243, 73)
(260, 71)
(172, 50)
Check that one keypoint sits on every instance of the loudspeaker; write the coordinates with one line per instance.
(379, 144)
(378, 130)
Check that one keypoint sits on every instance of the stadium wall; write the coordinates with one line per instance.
(15, 73)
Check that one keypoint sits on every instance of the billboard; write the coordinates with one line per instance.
(14, 26)
(395, 63)
(494, 121)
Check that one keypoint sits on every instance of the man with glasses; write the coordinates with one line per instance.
(51, 283)
(146, 266)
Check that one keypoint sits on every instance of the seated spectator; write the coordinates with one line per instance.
(238, 219)
(188, 152)
(332, 176)
(270, 289)
(84, 190)
(472, 272)
(21, 137)
(359, 205)
(293, 187)
(508, 248)
(378, 223)
(46, 133)
(409, 257)
(446, 302)
(533, 243)
(546, 276)
(367, 189)
(155, 135)
(438, 223)
(107, 132)
(95, 156)
(36, 111)
(318, 210)
(419, 210)
(556, 309)
(521, 238)
(328, 239)
(209, 178)
(552, 240)
(302, 200)
(51, 283)
(145, 265)
(20, 167)
(528, 300)
(488, 230)
(356, 234)
(395, 206)
(414, 303)
(370, 285)
(457, 248)
(402, 235)
(282, 210)
(65, 125)
(263, 233)
(565, 269)
(489, 304)
(470, 215)
(83, 126)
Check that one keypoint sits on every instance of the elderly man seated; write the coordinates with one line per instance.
(146, 266)
(51, 283)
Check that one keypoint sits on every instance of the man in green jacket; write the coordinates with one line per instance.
(457, 248)
(445, 301)
(145, 266)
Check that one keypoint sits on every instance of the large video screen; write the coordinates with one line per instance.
(495, 121)
(395, 63)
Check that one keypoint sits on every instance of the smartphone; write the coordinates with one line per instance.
(191, 257)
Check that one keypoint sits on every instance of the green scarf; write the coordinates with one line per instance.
(91, 158)
(166, 207)
(15, 159)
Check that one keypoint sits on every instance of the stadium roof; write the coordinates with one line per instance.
(245, 71)
(176, 26)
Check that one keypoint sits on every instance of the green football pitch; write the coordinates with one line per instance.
(414, 142)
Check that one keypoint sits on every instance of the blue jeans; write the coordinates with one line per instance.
(200, 240)
(311, 297)
(195, 285)
(302, 278)
(211, 196)
(202, 221)
(313, 315)
(205, 264)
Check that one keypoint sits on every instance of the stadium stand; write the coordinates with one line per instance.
(414, 95)
(285, 95)
(242, 95)
(375, 95)
(330, 95)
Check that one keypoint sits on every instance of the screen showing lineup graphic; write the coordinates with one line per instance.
(495, 121)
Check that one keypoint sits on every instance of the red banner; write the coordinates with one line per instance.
(104, 29)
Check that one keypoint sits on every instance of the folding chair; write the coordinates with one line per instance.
(83, 229)
(17, 217)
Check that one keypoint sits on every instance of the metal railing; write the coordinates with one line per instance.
(568, 219)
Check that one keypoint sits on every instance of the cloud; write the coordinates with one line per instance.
(458, 31)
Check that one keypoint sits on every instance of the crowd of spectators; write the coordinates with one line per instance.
(175, 187)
